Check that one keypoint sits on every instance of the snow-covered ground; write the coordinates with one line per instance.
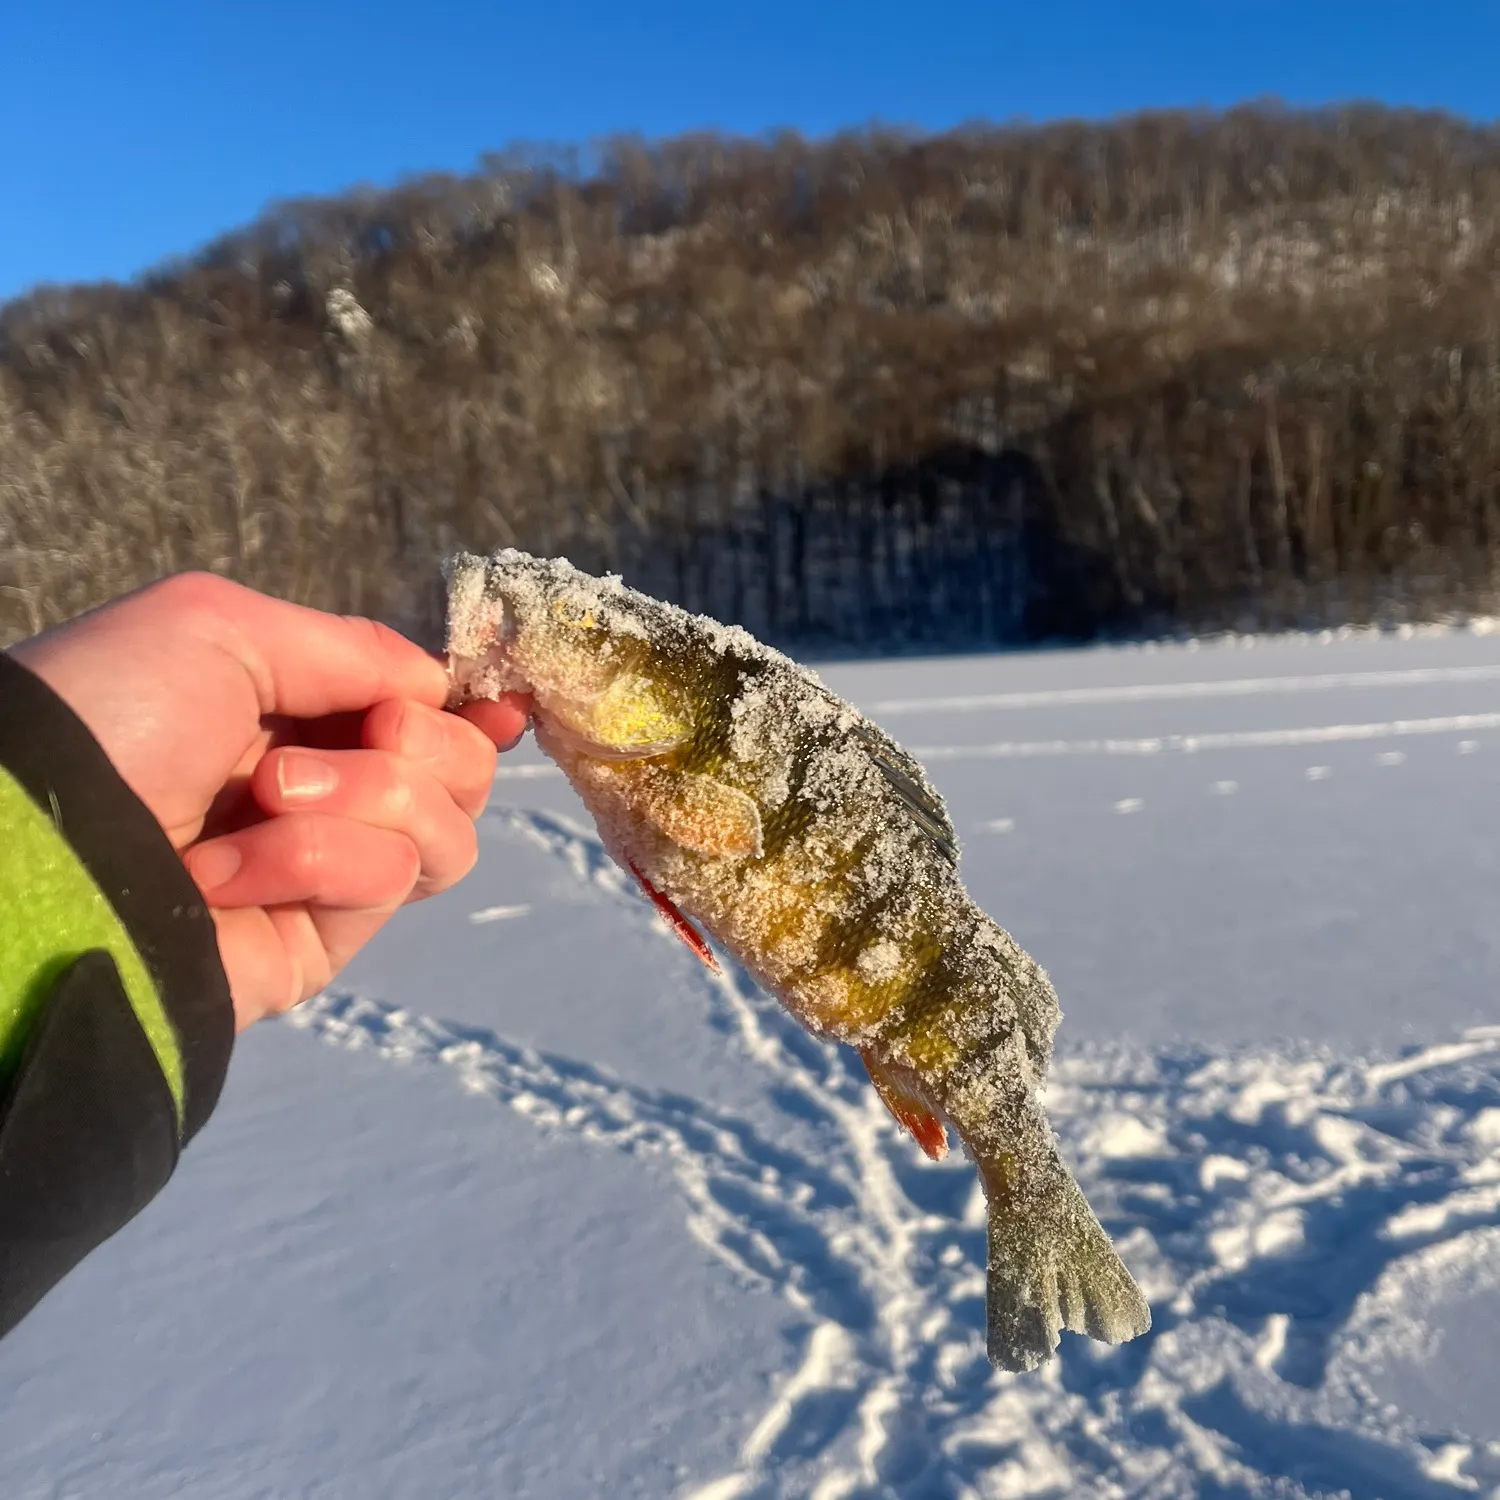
(534, 1206)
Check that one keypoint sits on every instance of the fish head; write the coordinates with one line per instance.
(595, 656)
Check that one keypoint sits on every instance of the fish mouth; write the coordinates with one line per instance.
(488, 675)
(481, 632)
(484, 674)
(465, 684)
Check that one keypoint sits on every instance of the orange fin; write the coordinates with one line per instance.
(901, 1094)
(676, 921)
(702, 814)
(696, 812)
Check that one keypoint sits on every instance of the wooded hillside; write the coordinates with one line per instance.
(1176, 371)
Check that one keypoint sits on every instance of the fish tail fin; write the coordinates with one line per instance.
(1051, 1266)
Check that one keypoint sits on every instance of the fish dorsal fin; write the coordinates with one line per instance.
(908, 781)
(677, 922)
(901, 1094)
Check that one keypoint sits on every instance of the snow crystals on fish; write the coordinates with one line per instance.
(748, 798)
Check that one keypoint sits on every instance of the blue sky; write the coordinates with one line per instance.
(133, 131)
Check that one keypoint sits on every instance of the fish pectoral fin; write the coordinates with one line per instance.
(901, 1094)
(676, 921)
(711, 817)
(695, 812)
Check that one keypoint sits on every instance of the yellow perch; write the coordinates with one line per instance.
(746, 796)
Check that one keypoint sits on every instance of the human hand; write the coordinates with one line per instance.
(300, 762)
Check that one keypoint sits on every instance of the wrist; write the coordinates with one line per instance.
(101, 873)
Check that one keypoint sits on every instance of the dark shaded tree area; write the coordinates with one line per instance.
(1175, 371)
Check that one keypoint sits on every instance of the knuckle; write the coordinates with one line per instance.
(407, 868)
(386, 639)
(306, 855)
(382, 728)
(465, 850)
(377, 643)
(484, 758)
(367, 629)
(398, 797)
(194, 590)
(296, 991)
(457, 856)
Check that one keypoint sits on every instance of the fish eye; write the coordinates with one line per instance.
(574, 612)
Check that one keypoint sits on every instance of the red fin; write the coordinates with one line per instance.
(902, 1096)
(676, 921)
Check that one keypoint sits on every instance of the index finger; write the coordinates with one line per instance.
(305, 663)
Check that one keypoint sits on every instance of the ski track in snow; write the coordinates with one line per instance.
(1158, 744)
(1172, 692)
(1289, 1214)
(1192, 744)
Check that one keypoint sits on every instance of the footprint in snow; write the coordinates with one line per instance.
(1280, 1208)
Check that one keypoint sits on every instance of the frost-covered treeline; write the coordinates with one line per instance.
(1177, 369)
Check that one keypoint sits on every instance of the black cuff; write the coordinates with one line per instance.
(88, 1136)
(90, 1128)
(59, 763)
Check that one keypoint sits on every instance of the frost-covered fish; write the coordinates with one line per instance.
(743, 794)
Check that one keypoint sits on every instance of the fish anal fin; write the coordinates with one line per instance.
(902, 1095)
(677, 922)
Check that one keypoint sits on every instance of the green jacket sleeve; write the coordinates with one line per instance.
(115, 1018)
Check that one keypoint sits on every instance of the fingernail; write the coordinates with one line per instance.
(421, 733)
(304, 777)
(214, 865)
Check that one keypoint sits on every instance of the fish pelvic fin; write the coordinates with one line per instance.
(677, 922)
(1051, 1266)
(901, 1094)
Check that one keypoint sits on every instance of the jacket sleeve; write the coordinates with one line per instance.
(115, 1018)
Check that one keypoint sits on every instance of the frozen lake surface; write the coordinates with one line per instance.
(534, 1206)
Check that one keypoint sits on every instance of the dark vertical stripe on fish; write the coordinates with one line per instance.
(716, 688)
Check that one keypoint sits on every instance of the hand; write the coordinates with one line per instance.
(300, 762)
